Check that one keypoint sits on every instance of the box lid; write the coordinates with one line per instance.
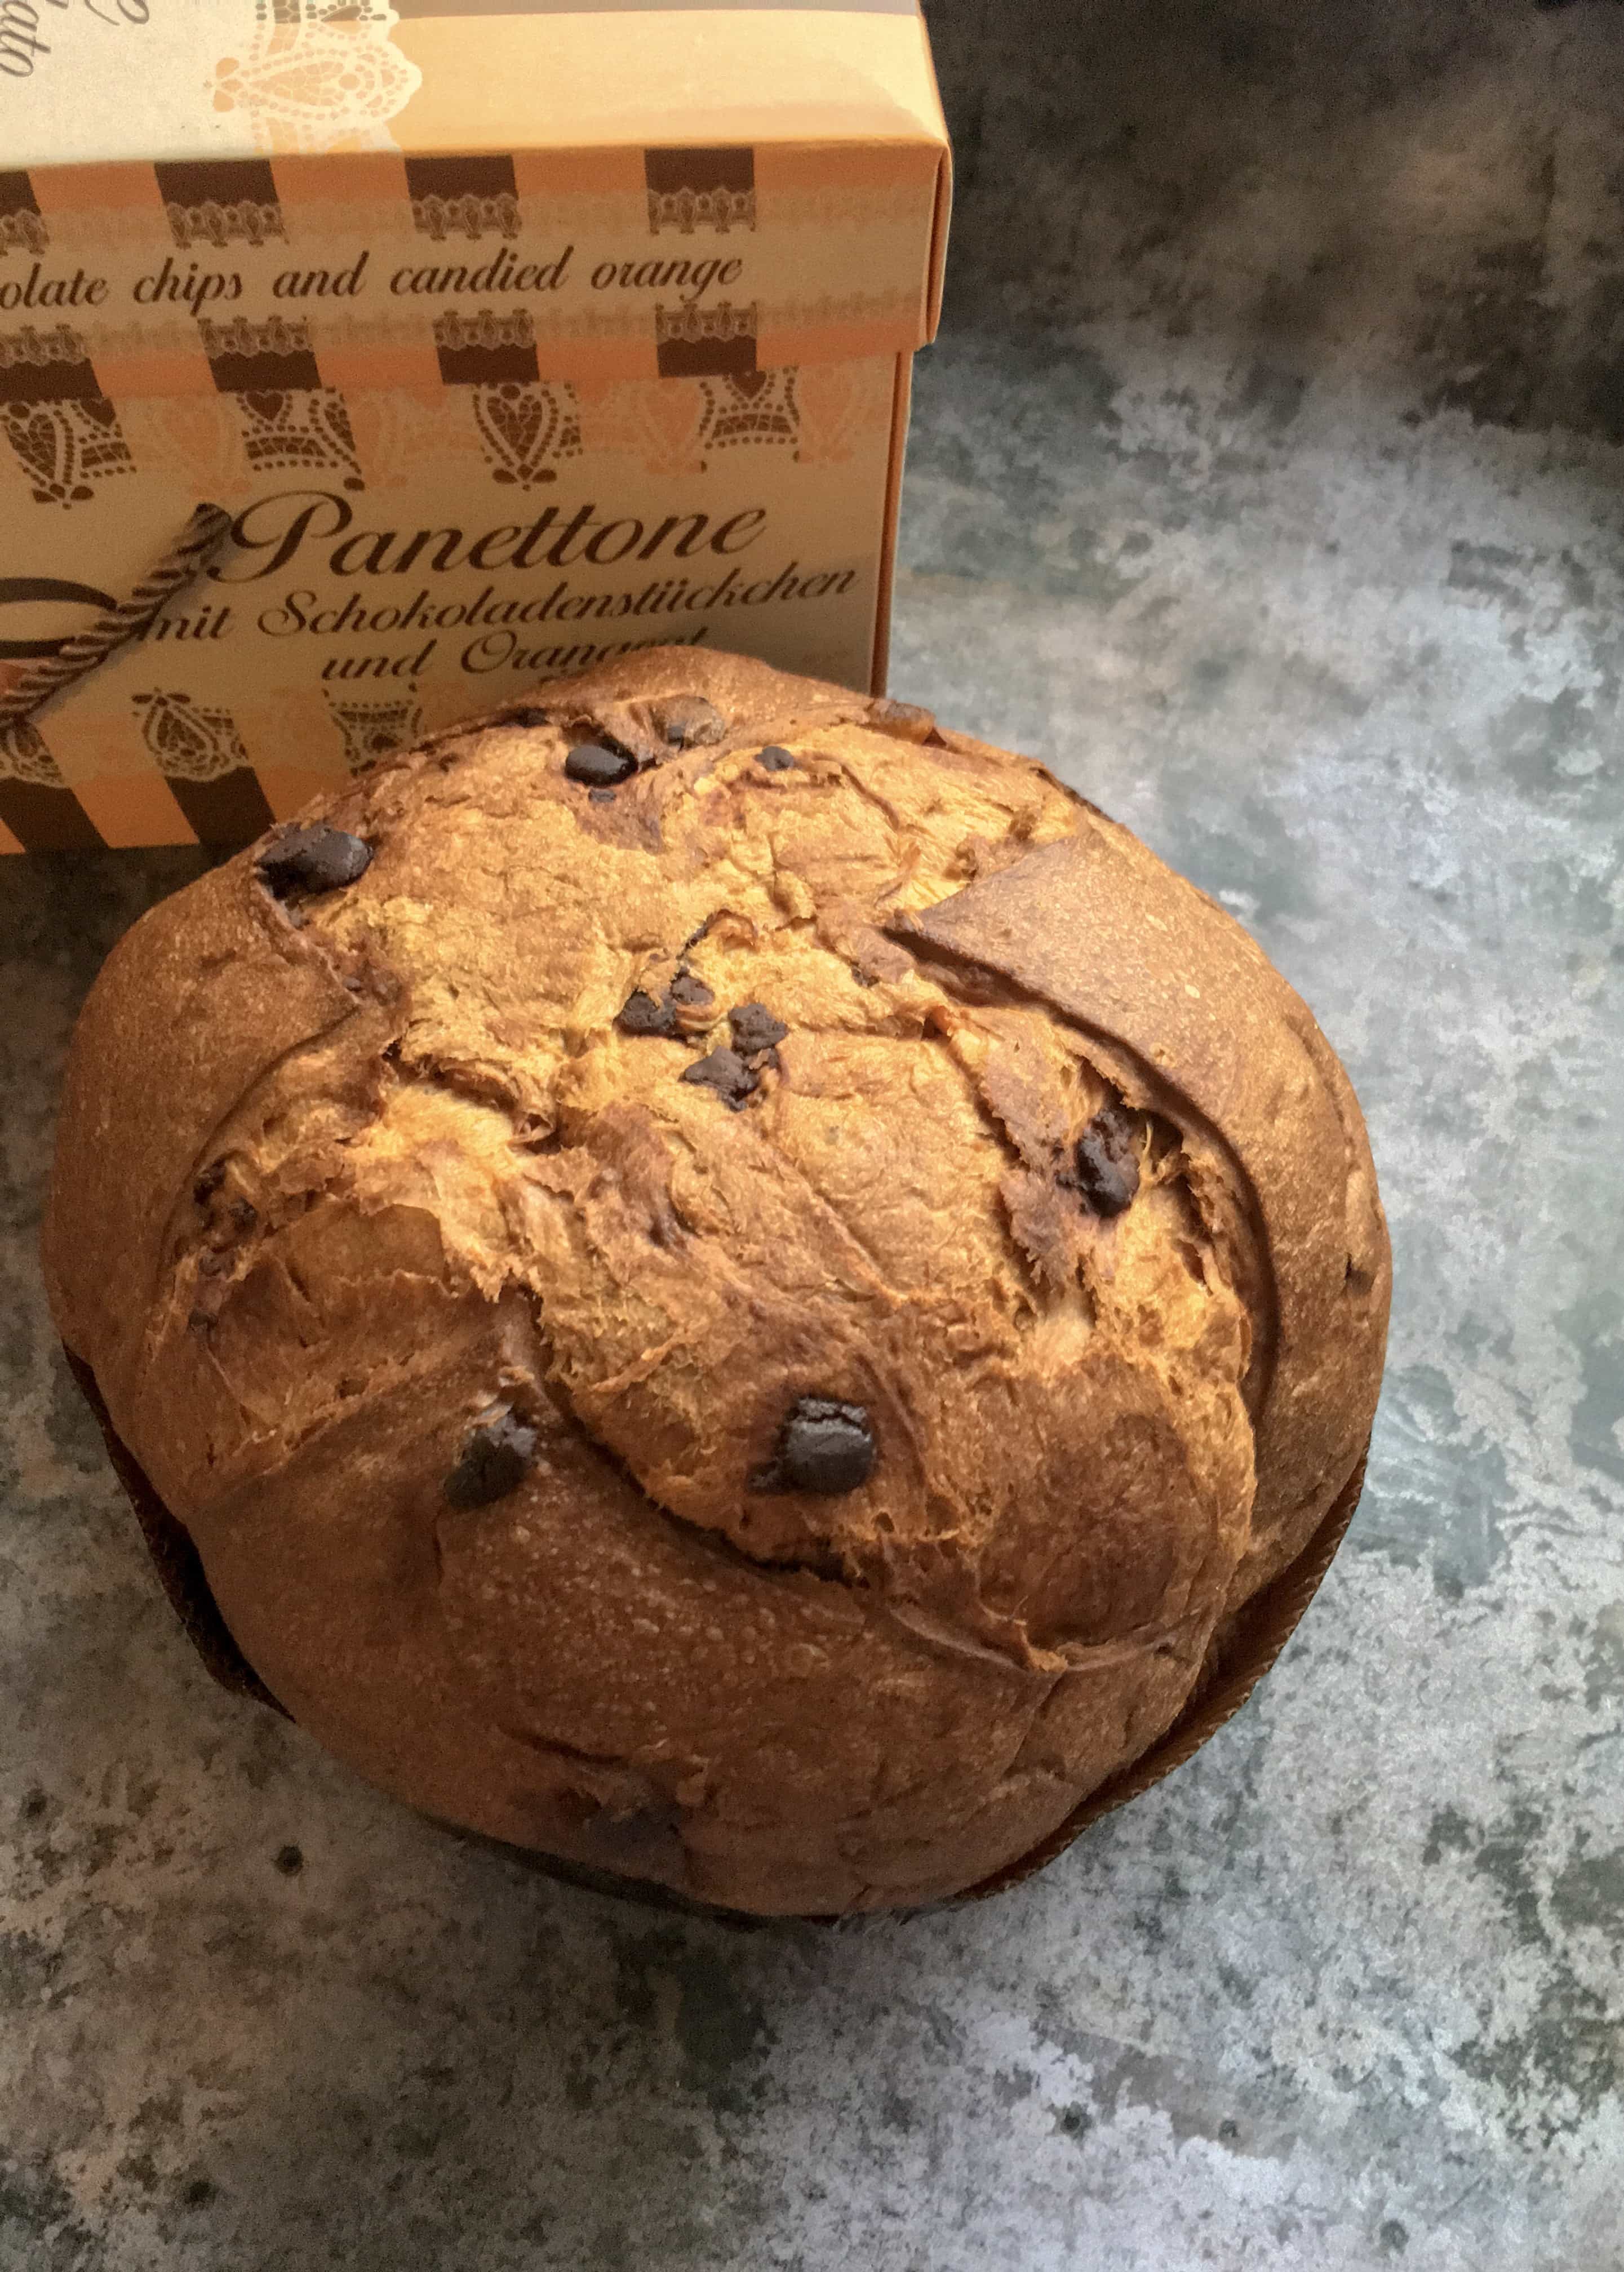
(277, 142)
(239, 78)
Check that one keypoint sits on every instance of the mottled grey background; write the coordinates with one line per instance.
(1269, 480)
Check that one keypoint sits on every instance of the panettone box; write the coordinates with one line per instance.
(507, 337)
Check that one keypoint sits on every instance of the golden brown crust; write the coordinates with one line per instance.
(207, 986)
(887, 1075)
(1097, 928)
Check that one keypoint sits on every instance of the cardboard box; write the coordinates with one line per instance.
(508, 335)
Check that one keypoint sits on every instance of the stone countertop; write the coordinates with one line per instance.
(1319, 591)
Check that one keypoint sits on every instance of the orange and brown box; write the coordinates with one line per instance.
(511, 335)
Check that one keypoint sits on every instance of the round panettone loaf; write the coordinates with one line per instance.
(730, 1286)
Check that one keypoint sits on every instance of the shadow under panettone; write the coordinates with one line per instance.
(1237, 1659)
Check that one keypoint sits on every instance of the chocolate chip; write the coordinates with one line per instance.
(591, 763)
(725, 1072)
(683, 1009)
(688, 721)
(209, 1181)
(905, 720)
(496, 1459)
(823, 1447)
(691, 993)
(754, 1027)
(1107, 1173)
(775, 758)
(313, 859)
(631, 741)
(642, 1014)
(599, 797)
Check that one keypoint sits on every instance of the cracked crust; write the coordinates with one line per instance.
(339, 1178)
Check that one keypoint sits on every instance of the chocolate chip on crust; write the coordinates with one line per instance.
(643, 1015)
(208, 1181)
(496, 1458)
(1107, 1173)
(906, 720)
(315, 858)
(754, 1027)
(688, 721)
(777, 759)
(597, 768)
(726, 1071)
(824, 1446)
(683, 1009)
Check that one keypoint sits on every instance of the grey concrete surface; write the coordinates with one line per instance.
(1270, 482)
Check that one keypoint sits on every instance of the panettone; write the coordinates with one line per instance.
(728, 1285)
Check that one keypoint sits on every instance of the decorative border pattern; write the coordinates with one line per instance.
(25, 757)
(711, 188)
(202, 757)
(290, 422)
(229, 201)
(463, 197)
(486, 349)
(272, 237)
(761, 407)
(62, 429)
(22, 225)
(526, 432)
(318, 75)
(36, 804)
(694, 342)
(371, 730)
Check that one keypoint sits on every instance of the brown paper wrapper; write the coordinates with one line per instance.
(178, 1564)
(1246, 1653)
(1236, 1664)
